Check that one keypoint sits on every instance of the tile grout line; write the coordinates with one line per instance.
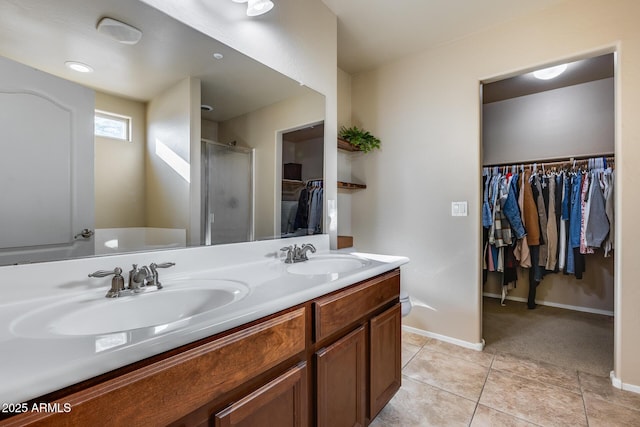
(539, 363)
(475, 409)
(584, 404)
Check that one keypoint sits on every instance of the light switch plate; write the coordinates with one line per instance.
(459, 208)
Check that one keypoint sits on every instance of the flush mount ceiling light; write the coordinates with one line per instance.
(550, 73)
(259, 7)
(119, 31)
(205, 107)
(78, 66)
(256, 7)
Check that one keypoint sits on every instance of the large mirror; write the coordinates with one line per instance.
(172, 140)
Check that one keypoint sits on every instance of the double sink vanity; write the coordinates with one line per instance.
(233, 336)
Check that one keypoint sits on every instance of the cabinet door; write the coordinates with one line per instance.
(282, 402)
(385, 359)
(341, 376)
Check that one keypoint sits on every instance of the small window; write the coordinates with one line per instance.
(112, 126)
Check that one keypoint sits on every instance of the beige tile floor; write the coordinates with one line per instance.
(447, 385)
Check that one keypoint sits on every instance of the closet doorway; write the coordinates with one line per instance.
(302, 171)
(538, 129)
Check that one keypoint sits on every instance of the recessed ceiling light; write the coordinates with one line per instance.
(218, 55)
(550, 73)
(205, 107)
(79, 67)
(119, 31)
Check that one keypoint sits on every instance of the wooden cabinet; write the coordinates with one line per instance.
(341, 382)
(333, 361)
(385, 358)
(357, 332)
(282, 402)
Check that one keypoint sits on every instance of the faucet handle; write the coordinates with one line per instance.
(105, 273)
(117, 283)
(290, 250)
(154, 272)
(153, 265)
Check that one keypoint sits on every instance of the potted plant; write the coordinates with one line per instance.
(359, 138)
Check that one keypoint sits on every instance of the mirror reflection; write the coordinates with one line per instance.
(137, 132)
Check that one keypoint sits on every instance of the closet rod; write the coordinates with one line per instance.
(559, 161)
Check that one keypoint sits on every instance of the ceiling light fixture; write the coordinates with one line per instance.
(78, 66)
(259, 7)
(119, 31)
(218, 55)
(256, 7)
(550, 73)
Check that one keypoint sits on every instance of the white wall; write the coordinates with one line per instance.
(426, 110)
(169, 177)
(209, 130)
(565, 122)
(120, 167)
(297, 38)
(308, 153)
(344, 158)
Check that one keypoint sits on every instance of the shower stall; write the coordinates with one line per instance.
(227, 193)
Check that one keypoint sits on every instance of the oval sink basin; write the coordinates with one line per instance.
(327, 265)
(178, 300)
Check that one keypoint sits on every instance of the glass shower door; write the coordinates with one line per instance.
(227, 193)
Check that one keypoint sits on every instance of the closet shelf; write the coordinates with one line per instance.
(351, 186)
(347, 146)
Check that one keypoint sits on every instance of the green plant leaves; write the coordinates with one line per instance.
(361, 138)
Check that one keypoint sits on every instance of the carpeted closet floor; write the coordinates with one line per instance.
(566, 338)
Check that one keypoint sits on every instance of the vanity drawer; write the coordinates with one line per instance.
(343, 308)
(162, 392)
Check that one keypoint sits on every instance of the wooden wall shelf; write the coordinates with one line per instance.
(351, 186)
(346, 145)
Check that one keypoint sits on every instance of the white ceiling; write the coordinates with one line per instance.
(373, 32)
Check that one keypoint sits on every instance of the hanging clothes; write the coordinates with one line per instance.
(546, 222)
(308, 218)
(552, 229)
(608, 195)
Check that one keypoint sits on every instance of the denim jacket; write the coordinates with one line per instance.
(509, 203)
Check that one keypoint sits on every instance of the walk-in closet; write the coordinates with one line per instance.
(548, 221)
(302, 181)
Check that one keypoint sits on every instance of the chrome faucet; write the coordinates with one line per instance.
(297, 254)
(139, 278)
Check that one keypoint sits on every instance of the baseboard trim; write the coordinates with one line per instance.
(466, 344)
(617, 383)
(554, 304)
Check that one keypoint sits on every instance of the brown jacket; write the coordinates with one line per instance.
(530, 214)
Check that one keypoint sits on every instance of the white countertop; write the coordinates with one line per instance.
(34, 365)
